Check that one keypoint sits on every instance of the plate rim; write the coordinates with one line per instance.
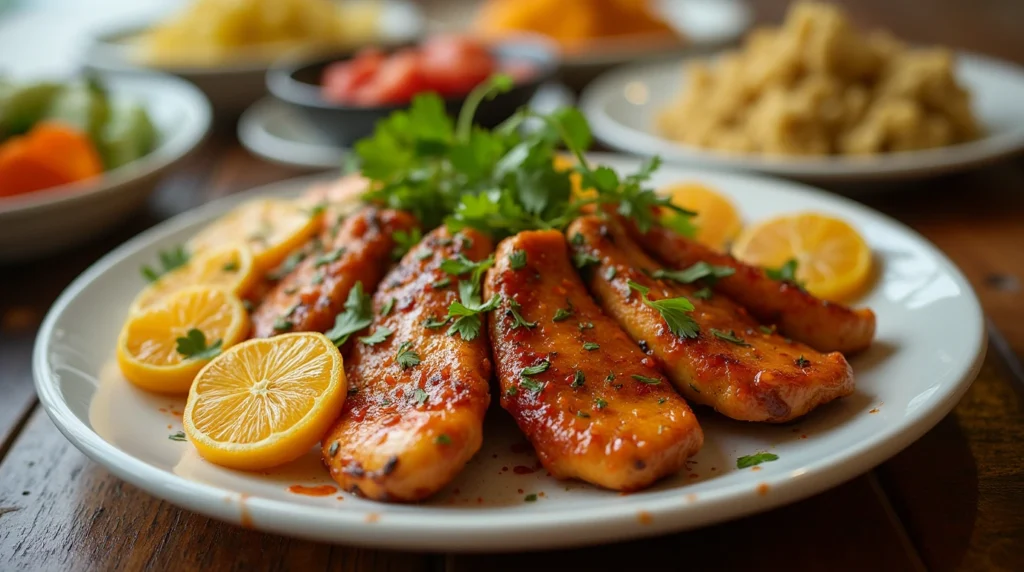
(910, 164)
(481, 529)
(255, 137)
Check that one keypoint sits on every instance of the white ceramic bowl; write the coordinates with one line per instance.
(231, 87)
(622, 106)
(929, 346)
(44, 221)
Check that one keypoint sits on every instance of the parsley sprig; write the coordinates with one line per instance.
(700, 271)
(675, 312)
(194, 346)
(171, 259)
(358, 314)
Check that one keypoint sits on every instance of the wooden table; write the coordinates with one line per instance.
(953, 500)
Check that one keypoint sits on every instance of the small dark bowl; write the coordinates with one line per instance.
(298, 84)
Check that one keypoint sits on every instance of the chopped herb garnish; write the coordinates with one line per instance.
(530, 497)
(579, 378)
(231, 266)
(577, 239)
(517, 260)
(673, 310)
(357, 315)
(424, 254)
(442, 283)
(531, 385)
(461, 265)
(405, 356)
(333, 449)
(179, 436)
(330, 257)
(767, 330)
(562, 314)
(283, 324)
(729, 336)
(610, 272)
(193, 346)
(694, 388)
(591, 346)
(405, 240)
(703, 294)
(385, 310)
(419, 395)
(171, 259)
(585, 325)
(291, 290)
(433, 323)
(443, 439)
(610, 377)
(583, 414)
(517, 318)
(535, 369)
(662, 400)
(784, 273)
(583, 259)
(377, 337)
(286, 267)
(802, 362)
(600, 403)
(757, 459)
(512, 390)
(468, 311)
(247, 304)
(699, 271)
(318, 278)
(647, 380)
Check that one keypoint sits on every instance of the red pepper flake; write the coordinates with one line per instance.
(691, 497)
(162, 410)
(755, 468)
(479, 500)
(523, 470)
(875, 410)
(340, 498)
(540, 494)
(169, 427)
(803, 436)
(714, 468)
(694, 476)
(644, 517)
(520, 491)
(762, 489)
(372, 517)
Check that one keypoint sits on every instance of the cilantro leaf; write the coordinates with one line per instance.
(699, 271)
(406, 357)
(784, 273)
(171, 259)
(541, 367)
(647, 380)
(404, 241)
(729, 336)
(756, 459)
(517, 260)
(517, 319)
(193, 346)
(377, 337)
(673, 310)
(357, 315)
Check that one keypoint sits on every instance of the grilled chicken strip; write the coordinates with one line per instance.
(600, 410)
(415, 410)
(348, 250)
(743, 371)
(825, 326)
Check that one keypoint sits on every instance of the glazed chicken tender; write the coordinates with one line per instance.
(594, 406)
(825, 326)
(417, 396)
(730, 363)
(313, 291)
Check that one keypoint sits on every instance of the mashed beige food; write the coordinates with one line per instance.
(213, 32)
(816, 86)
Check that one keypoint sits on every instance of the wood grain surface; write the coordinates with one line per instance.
(952, 501)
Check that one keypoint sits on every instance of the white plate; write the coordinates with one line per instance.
(622, 105)
(930, 346)
(44, 221)
(233, 86)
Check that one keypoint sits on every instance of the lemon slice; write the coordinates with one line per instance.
(149, 352)
(717, 221)
(267, 401)
(230, 267)
(271, 228)
(833, 260)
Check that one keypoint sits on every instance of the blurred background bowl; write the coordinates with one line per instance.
(44, 221)
(298, 84)
(238, 81)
